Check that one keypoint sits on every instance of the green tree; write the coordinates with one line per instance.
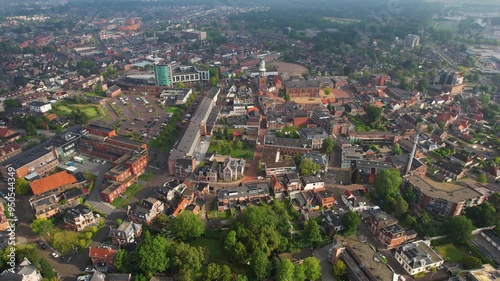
(217, 272)
(41, 226)
(30, 128)
(187, 259)
(312, 268)
(494, 199)
(373, 114)
(188, 226)
(151, 255)
(308, 167)
(122, 261)
(423, 85)
(459, 229)
(65, 241)
(241, 277)
(259, 264)
(350, 222)
(312, 232)
(239, 253)
(396, 149)
(118, 222)
(327, 146)
(482, 215)
(387, 184)
(10, 103)
(471, 262)
(327, 91)
(238, 145)
(22, 186)
(181, 85)
(482, 178)
(484, 98)
(162, 220)
(285, 271)
(400, 206)
(230, 241)
(299, 272)
(339, 268)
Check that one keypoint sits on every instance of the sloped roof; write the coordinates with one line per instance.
(52, 182)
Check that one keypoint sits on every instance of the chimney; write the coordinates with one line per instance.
(277, 155)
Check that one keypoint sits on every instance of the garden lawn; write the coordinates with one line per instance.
(64, 108)
(91, 111)
(127, 195)
(451, 252)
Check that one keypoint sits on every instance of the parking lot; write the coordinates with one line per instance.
(87, 166)
(136, 114)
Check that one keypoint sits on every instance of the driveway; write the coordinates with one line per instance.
(326, 267)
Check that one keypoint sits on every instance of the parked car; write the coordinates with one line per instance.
(84, 278)
(90, 269)
(54, 255)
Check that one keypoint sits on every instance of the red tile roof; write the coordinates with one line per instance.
(6, 132)
(52, 182)
(101, 252)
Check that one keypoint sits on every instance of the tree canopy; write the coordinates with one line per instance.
(217, 272)
(41, 226)
(373, 114)
(187, 259)
(327, 146)
(22, 186)
(285, 271)
(188, 226)
(459, 229)
(152, 254)
(350, 222)
(482, 215)
(312, 268)
(387, 184)
(308, 167)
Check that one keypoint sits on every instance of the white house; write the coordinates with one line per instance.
(356, 204)
(25, 272)
(418, 257)
(312, 182)
(40, 107)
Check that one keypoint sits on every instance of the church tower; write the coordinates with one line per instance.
(262, 80)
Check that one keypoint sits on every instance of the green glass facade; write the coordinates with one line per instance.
(162, 74)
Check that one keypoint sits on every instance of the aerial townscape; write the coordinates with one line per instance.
(207, 140)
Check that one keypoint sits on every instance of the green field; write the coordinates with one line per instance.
(65, 108)
(452, 253)
(128, 194)
(246, 153)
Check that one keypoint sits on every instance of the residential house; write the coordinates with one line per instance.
(387, 230)
(324, 198)
(9, 150)
(448, 169)
(333, 221)
(461, 159)
(79, 217)
(202, 189)
(231, 196)
(126, 232)
(417, 257)
(277, 186)
(356, 203)
(312, 182)
(315, 134)
(25, 271)
(146, 211)
(292, 182)
(233, 169)
(479, 274)
(40, 107)
(102, 255)
(8, 135)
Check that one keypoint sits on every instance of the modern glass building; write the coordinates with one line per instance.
(163, 73)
